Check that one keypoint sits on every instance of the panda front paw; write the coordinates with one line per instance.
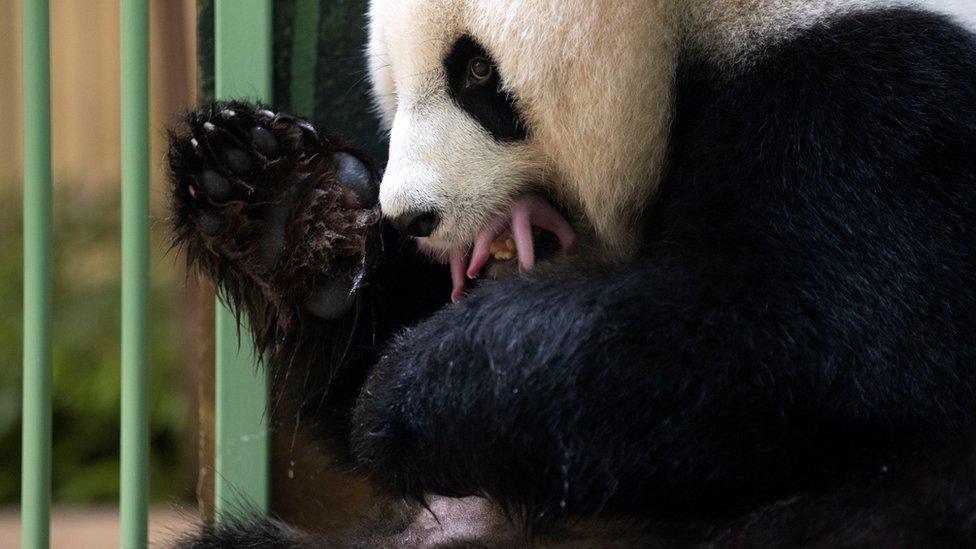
(279, 215)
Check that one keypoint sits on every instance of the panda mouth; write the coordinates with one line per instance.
(511, 236)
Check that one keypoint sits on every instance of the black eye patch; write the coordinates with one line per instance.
(483, 99)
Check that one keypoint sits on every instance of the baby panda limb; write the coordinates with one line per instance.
(284, 220)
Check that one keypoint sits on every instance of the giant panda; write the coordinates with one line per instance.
(637, 273)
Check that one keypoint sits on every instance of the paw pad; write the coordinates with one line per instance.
(355, 176)
(217, 187)
(266, 200)
(238, 162)
(264, 142)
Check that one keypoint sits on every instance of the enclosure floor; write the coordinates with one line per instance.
(75, 527)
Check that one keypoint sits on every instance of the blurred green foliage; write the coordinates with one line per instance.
(86, 351)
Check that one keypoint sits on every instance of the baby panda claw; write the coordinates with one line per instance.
(274, 211)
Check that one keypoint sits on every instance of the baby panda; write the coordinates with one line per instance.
(674, 273)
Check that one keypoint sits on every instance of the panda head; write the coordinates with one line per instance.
(491, 102)
(488, 102)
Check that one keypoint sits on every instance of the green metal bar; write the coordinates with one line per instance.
(242, 45)
(134, 500)
(36, 450)
(304, 57)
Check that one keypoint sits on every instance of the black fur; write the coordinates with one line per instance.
(803, 313)
(487, 102)
(295, 187)
(791, 361)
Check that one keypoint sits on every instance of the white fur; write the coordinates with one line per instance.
(735, 30)
(440, 158)
(597, 108)
(593, 80)
(963, 11)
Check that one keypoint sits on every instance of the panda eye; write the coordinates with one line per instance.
(480, 70)
(476, 87)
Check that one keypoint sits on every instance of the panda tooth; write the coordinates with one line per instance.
(209, 126)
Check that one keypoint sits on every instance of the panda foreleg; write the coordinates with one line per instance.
(273, 211)
(284, 220)
(690, 387)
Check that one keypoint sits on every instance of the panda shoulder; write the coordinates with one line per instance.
(891, 82)
(736, 35)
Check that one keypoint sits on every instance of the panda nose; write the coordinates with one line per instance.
(418, 224)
